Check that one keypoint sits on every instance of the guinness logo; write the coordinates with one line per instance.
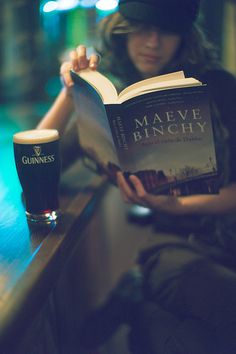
(38, 158)
(37, 150)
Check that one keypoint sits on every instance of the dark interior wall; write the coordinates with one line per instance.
(20, 45)
(213, 17)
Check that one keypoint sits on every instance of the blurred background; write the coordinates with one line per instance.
(36, 35)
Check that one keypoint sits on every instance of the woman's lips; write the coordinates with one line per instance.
(150, 58)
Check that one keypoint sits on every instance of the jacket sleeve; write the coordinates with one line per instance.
(222, 88)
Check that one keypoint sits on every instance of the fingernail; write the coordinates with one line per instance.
(81, 49)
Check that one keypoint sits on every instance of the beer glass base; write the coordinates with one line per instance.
(45, 218)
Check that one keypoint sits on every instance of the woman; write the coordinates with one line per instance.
(128, 57)
(189, 285)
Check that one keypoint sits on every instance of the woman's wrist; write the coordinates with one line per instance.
(171, 205)
(67, 92)
(66, 99)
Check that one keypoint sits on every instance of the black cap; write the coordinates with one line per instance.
(171, 15)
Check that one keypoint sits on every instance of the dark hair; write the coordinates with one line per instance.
(195, 56)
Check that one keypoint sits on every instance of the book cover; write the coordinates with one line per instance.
(164, 137)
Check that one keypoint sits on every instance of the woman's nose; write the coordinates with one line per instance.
(153, 38)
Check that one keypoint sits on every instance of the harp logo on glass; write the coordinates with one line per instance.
(37, 150)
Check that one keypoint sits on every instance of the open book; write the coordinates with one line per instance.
(159, 129)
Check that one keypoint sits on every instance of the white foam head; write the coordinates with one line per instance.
(36, 136)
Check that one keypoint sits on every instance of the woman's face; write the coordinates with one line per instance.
(151, 49)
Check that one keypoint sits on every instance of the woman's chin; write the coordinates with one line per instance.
(148, 71)
(149, 74)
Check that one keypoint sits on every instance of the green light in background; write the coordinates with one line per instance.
(77, 30)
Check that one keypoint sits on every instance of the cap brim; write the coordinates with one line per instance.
(138, 11)
(170, 19)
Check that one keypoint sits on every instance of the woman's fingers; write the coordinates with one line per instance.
(125, 189)
(79, 58)
(65, 74)
(82, 59)
(138, 195)
(122, 186)
(74, 60)
(94, 61)
(78, 61)
(138, 186)
(131, 195)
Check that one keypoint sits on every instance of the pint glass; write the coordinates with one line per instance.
(38, 166)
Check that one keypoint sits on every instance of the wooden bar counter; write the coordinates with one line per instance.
(51, 276)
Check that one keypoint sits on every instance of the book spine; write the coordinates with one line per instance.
(117, 127)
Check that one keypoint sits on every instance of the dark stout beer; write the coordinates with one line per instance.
(38, 166)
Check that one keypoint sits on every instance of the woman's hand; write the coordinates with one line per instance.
(138, 195)
(78, 61)
(215, 204)
(60, 113)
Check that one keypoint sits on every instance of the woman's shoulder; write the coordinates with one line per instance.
(219, 78)
(222, 89)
